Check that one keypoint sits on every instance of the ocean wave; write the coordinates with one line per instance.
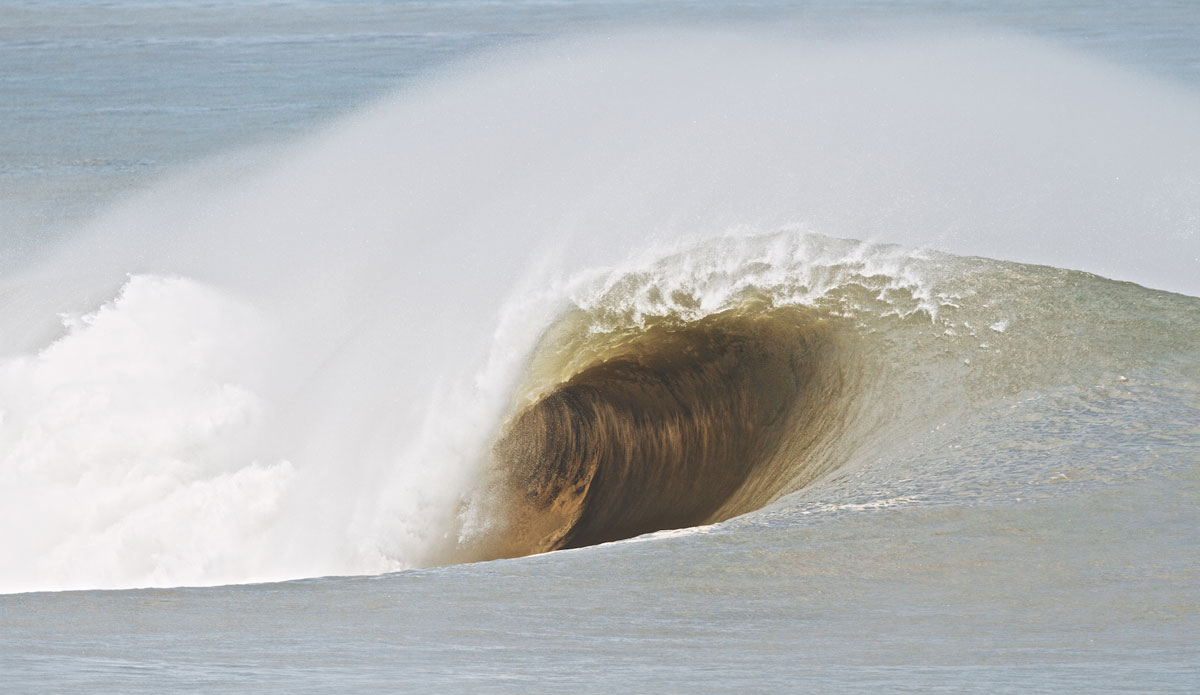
(462, 324)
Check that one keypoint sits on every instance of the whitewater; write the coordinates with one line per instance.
(763, 357)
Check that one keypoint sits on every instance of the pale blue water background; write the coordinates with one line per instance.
(989, 588)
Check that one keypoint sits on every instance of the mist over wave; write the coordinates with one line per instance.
(313, 361)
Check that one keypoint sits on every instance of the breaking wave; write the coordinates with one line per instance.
(717, 380)
(411, 341)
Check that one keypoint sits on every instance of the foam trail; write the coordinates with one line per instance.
(314, 355)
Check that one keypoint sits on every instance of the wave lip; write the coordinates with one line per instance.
(678, 424)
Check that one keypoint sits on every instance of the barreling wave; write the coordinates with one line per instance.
(322, 365)
(720, 379)
(679, 389)
(710, 384)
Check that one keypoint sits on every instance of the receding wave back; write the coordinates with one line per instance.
(673, 425)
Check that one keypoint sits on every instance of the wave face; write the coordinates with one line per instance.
(720, 379)
(663, 302)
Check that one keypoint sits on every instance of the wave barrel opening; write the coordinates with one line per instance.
(671, 426)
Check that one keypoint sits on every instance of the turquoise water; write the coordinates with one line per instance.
(274, 277)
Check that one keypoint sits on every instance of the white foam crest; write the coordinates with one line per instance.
(788, 267)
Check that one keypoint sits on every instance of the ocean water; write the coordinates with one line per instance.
(546, 346)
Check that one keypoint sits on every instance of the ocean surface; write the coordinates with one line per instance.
(466, 346)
